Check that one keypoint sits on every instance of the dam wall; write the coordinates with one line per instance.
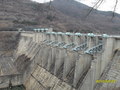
(65, 61)
(14, 80)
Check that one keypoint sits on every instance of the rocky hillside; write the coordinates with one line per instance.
(63, 15)
(97, 21)
(17, 13)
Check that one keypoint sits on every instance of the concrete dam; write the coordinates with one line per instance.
(47, 60)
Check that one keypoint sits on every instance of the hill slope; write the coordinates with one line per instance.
(64, 15)
(96, 21)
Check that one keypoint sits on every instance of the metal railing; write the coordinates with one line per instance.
(94, 49)
(80, 47)
(69, 45)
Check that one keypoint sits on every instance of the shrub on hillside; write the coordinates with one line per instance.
(25, 22)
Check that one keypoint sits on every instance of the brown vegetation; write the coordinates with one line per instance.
(8, 43)
(62, 15)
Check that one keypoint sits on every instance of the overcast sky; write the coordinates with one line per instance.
(41, 1)
(107, 5)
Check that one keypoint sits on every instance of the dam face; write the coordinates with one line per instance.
(9, 75)
(46, 60)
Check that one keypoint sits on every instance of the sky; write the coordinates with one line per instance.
(41, 1)
(107, 5)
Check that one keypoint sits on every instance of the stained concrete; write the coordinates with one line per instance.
(72, 69)
(39, 65)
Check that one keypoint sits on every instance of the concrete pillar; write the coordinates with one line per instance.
(34, 37)
(97, 40)
(41, 54)
(82, 65)
(33, 50)
(49, 62)
(29, 47)
(60, 53)
(37, 38)
(92, 80)
(69, 63)
(108, 51)
(30, 41)
(89, 80)
(45, 56)
(20, 47)
(48, 37)
(98, 66)
(60, 38)
(79, 39)
(53, 37)
(52, 58)
(42, 37)
(68, 38)
(91, 41)
(32, 47)
(60, 57)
